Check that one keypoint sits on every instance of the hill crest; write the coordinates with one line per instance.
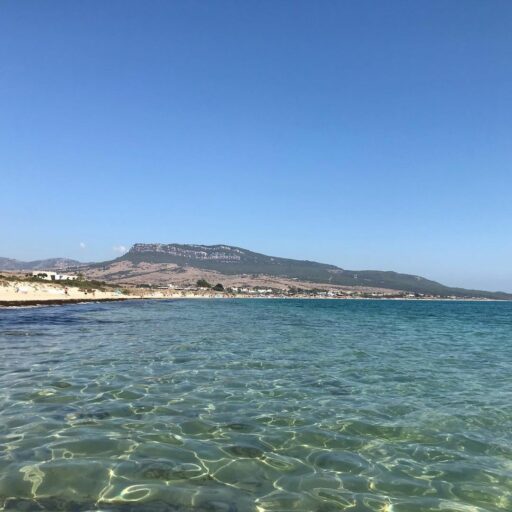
(232, 260)
(46, 264)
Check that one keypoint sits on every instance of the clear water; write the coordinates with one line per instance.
(257, 405)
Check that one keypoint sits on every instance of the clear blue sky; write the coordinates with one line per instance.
(367, 134)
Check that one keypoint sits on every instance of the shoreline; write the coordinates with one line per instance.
(62, 302)
(52, 302)
(19, 293)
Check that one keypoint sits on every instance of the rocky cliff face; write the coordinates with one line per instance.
(217, 253)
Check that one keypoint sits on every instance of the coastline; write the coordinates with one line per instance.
(22, 293)
(4, 304)
(51, 302)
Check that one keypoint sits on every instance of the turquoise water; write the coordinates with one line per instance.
(257, 405)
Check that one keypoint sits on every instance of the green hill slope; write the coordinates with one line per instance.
(235, 260)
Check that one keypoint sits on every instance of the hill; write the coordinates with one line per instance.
(229, 260)
(48, 264)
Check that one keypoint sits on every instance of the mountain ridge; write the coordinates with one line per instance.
(45, 264)
(233, 260)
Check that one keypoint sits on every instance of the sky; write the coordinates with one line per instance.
(366, 134)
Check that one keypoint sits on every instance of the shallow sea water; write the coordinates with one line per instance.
(257, 405)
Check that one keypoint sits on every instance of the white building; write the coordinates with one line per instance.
(53, 276)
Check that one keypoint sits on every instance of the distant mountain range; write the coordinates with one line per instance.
(230, 260)
(49, 264)
(164, 262)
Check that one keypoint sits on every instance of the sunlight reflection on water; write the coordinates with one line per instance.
(257, 406)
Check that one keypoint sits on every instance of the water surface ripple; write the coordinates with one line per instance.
(257, 405)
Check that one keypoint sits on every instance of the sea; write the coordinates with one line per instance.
(257, 405)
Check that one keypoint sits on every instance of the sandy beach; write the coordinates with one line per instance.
(26, 292)
(21, 293)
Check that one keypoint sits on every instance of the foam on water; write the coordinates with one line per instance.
(257, 406)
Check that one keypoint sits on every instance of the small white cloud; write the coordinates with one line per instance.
(82, 245)
(120, 249)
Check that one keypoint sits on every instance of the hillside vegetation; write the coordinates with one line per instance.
(230, 260)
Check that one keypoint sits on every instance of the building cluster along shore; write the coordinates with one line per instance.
(46, 287)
